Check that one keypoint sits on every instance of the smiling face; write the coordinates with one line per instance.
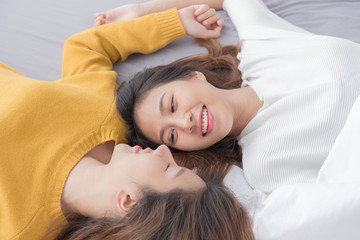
(152, 168)
(186, 114)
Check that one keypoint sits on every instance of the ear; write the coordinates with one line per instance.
(198, 76)
(124, 202)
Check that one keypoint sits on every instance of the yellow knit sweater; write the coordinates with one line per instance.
(47, 127)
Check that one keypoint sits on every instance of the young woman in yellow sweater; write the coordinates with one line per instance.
(58, 157)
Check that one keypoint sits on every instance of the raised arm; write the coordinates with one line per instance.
(135, 10)
(97, 49)
(161, 5)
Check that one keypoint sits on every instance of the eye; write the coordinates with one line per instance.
(172, 104)
(172, 136)
(167, 167)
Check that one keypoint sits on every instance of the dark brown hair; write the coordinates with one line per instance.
(210, 213)
(220, 66)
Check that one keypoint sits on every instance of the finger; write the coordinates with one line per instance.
(97, 23)
(98, 14)
(104, 21)
(220, 23)
(215, 32)
(99, 20)
(211, 20)
(209, 13)
(200, 9)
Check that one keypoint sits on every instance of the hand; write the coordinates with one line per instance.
(201, 21)
(125, 12)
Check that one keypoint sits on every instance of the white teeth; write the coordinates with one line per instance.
(204, 120)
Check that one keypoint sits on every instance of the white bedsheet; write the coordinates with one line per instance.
(326, 210)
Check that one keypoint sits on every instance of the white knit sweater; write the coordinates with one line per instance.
(308, 84)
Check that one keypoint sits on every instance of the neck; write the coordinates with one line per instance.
(245, 104)
(85, 191)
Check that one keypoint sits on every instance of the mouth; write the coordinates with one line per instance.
(137, 148)
(206, 121)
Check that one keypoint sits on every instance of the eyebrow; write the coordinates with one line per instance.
(161, 109)
(181, 171)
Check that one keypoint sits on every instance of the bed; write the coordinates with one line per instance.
(32, 37)
(33, 32)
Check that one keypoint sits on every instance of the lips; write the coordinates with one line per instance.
(137, 149)
(205, 121)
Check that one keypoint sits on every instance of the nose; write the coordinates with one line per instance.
(186, 122)
(164, 153)
(146, 150)
(161, 150)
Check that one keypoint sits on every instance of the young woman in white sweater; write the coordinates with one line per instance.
(292, 99)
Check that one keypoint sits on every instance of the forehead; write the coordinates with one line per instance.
(191, 181)
(152, 97)
(166, 86)
(188, 180)
(147, 114)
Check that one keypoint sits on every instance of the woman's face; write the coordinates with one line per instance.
(186, 114)
(152, 168)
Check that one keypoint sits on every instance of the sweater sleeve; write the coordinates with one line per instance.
(97, 49)
(253, 20)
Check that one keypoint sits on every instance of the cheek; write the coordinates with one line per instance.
(222, 115)
(143, 177)
(189, 95)
(191, 143)
(159, 182)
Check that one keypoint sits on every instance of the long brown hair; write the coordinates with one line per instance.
(211, 213)
(220, 66)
